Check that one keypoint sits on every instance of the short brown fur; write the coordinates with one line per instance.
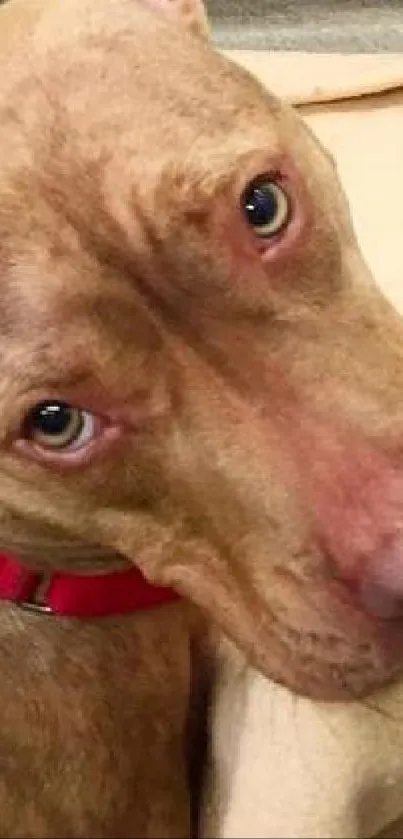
(261, 462)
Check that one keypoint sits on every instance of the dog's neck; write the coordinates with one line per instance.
(78, 595)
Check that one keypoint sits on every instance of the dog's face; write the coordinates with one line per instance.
(196, 371)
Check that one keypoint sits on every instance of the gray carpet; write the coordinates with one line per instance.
(321, 25)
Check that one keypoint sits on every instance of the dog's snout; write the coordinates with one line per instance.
(363, 533)
(364, 537)
(355, 491)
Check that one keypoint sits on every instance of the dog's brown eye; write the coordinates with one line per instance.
(58, 426)
(266, 206)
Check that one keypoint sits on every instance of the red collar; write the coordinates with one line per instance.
(79, 595)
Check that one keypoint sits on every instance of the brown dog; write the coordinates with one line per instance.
(198, 377)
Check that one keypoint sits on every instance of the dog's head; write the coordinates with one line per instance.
(196, 371)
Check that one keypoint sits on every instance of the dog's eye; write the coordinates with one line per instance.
(57, 426)
(266, 206)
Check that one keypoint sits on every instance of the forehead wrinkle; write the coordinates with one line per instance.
(97, 333)
(109, 314)
(61, 244)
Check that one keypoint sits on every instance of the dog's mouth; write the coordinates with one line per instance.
(330, 666)
(342, 640)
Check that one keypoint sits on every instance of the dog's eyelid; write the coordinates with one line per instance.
(63, 381)
(55, 385)
(235, 175)
(67, 389)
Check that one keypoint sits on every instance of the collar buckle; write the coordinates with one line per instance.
(35, 603)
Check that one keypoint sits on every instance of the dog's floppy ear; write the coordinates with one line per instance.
(188, 13)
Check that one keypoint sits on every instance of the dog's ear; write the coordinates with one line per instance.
(189, 13)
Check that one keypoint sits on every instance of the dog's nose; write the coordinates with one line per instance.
(380, 585)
